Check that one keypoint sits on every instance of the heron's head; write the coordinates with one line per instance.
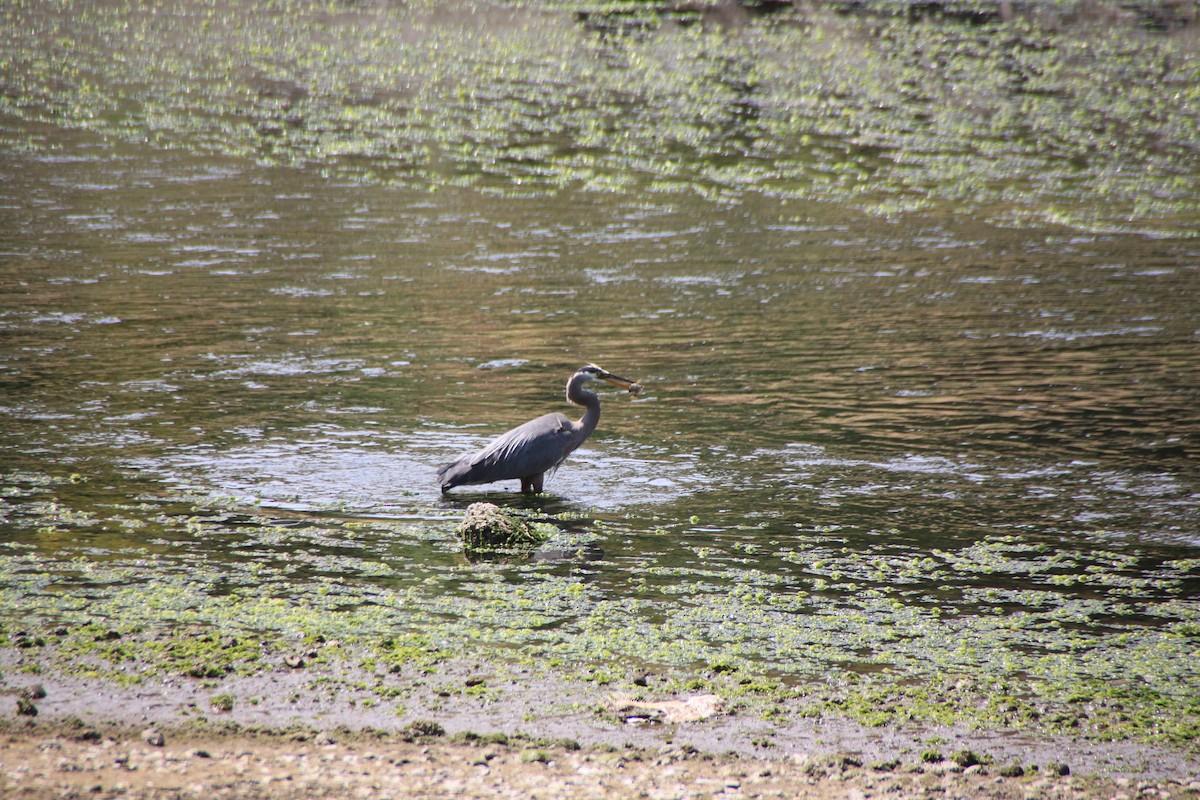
(591, 372)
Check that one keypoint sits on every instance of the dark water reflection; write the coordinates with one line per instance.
(821, 387)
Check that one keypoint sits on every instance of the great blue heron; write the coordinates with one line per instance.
(531, 450)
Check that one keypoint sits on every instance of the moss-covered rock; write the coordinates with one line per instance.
(489, 527)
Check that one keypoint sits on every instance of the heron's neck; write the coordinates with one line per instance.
(591, 417)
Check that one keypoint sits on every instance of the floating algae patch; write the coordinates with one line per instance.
(1048, 115)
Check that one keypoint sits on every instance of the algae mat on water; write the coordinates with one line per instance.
(1075, 113)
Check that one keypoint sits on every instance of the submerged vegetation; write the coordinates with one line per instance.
(1007, 631)
(1080, 113)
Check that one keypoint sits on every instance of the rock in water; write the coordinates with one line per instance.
(488, 527)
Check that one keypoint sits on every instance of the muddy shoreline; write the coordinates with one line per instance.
(44, 760)
(490, 729)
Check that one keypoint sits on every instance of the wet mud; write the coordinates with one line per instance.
(490, 729)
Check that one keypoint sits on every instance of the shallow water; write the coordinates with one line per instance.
(909, 444)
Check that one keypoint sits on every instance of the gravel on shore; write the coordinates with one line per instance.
(40, 761)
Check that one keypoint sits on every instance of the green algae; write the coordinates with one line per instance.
(1049, 115)
(1006, 631)
(223, 702)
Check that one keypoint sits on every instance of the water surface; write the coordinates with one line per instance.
(907, 444)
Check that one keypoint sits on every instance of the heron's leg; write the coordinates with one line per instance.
(532, 484)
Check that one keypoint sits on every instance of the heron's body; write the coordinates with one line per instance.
(529, 451)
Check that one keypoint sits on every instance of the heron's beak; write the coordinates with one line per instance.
(633, 387)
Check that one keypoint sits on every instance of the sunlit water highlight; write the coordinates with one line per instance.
(372, 472)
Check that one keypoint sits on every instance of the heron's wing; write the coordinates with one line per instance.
(530, 449)
(527, 451)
